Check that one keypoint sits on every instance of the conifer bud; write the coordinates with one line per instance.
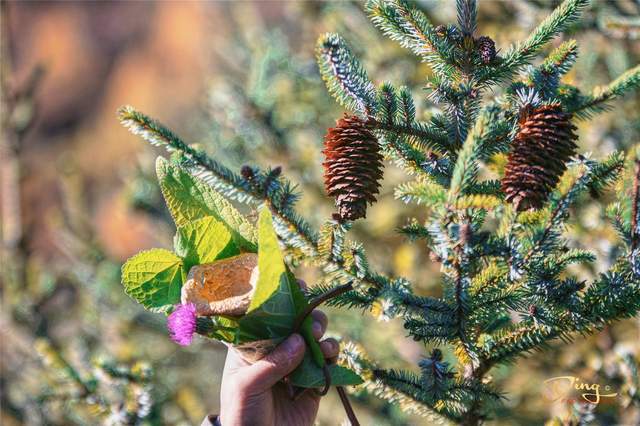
(441, 30)
(352, 166)
(486, 48)
(247, 172)
(539, 154)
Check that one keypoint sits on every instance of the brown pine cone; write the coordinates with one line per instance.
(538, 156)
(352, 166)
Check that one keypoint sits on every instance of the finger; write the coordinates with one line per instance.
(302, 285)
(330, 348)
(319, 325)
(266, 372)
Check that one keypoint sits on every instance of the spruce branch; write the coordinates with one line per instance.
(421, 191)
(615, 295)
(414, 231)
(158, 135)
(465, 170)
(460, 101)
(402, 22)
(397, 387)
(519, 342)
(345, 78)
(405, 155)
(406, 106)
(467, 16)
(592, 173)
(427, 135)
(597, 100)
(520, 54)
(561, 59)
(396, 384)
(546, 78)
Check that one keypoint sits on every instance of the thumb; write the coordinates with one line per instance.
(272, 368)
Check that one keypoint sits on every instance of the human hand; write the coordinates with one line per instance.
(253, 394)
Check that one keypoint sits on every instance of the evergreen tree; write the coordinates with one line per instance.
(497, 171)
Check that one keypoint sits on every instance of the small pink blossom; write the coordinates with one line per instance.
(182, 324)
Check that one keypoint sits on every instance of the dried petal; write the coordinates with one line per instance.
(223, 287)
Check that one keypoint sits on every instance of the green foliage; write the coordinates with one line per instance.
(154, 278)
(587, 105)
(344, 76)
(512, 282)
(204, 241)
(277, 299)
(521, 53)
(401, 21)
(189, 198)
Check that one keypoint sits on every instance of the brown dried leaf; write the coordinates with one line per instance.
(223, 287)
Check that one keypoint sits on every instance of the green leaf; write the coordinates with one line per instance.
(270, 261)
(204, 241)
(189, 198)
(154, 278)
(273, 306)
(309, 375)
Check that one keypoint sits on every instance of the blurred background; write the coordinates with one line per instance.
(79, 196)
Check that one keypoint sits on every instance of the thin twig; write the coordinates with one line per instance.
(351, 415)
(314, 303)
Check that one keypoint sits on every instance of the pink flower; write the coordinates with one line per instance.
(182, 324)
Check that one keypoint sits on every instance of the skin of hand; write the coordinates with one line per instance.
(253, 394)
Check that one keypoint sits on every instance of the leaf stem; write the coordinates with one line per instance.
(316, 301)
(351, 415)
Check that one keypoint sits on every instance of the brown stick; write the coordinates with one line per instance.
(351, 415)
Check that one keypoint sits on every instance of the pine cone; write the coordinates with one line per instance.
(538, 157)
(353, 166)
(486, 48)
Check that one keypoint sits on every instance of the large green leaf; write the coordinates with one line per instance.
(154, 278)
(203, 241)
(273, 306)
(189, 198)
(309, 375)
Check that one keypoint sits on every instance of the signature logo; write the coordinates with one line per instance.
(566, 388)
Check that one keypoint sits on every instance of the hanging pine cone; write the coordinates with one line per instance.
(353, 166)
(486, 48)
(538, 157)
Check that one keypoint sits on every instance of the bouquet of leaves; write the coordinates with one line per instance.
(227, 280)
